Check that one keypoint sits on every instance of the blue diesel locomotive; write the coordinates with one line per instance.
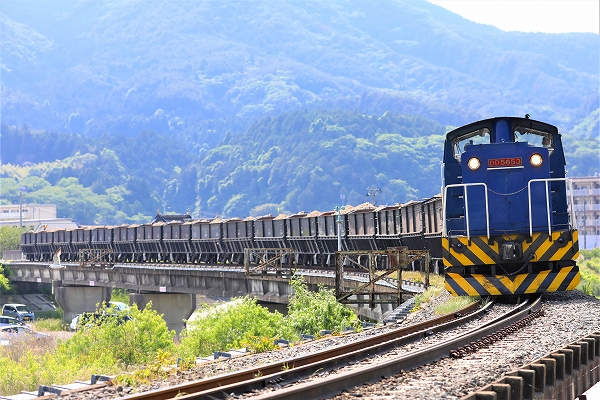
(508, 227)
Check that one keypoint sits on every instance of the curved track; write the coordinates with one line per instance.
(294, 370)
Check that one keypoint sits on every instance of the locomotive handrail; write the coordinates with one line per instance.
(572, 213)
(487, 211)
(443, 179)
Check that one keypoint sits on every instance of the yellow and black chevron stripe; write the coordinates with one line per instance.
(541, 247)
(567, 278)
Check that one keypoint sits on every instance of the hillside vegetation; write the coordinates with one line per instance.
(113, 110)
(142, 348)
(211, 66)
(298, 161)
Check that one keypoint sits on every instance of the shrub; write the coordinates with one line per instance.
(589, 268)
(310, 312)
(239, 323)
(132, 342)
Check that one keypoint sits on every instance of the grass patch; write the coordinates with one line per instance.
(454, 304)
(436, 288)
(49, 314)
(50, 325)
(417, 276)
(426, 296)
(413, 276)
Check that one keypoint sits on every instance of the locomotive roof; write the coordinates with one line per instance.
(491, 122)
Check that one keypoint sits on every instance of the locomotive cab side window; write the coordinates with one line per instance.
(480, 136)
(534, 138)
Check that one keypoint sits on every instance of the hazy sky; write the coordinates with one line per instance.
(551, 16)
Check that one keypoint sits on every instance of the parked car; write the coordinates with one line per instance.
(18, 311)
(97, 318)
(10, 321)
(118, 305)
(11, 334)
(118, 309)
(74, 321)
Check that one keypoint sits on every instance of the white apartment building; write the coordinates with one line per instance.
(586, 202)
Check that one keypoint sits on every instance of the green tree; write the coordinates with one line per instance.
(10, 237)
(107, 348)
(4, 283)
(310, 312)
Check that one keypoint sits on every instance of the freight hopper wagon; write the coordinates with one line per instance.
(508, 227)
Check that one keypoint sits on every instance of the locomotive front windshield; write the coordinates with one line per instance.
(480, 136)
(534, 137)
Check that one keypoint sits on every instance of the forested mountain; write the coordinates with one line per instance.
(115, 109)
(208, 66)
(298, 161)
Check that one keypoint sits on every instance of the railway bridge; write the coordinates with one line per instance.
(172, 289)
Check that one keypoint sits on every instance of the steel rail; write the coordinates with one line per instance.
(301, 367)
(293, 370)
(218, 382)
(335, 384)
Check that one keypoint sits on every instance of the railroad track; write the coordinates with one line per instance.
(293, 370)
(289, 369)
(289, 372)
(335, 383)
(346, 368)
(556, 356)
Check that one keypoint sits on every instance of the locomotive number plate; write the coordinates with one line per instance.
(505, 162)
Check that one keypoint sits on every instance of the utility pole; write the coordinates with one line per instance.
(584, 227)
(21, 210)
(339, 226)
(373, 191)
(21, 189)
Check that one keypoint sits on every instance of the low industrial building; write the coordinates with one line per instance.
(34, 216)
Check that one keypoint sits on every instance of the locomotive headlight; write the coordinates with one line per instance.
(474, 163)
(535, 160)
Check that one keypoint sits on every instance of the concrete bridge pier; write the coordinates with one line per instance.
(78, 299)
(174, 307)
